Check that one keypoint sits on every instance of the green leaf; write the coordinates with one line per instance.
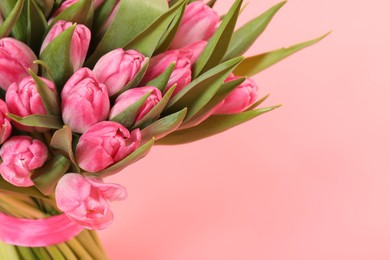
(80, 12)
(46, 177)
(164, 126)
(46, 6)
(211, 3)
(57, 57)
(45, 121)
(146, 42)
(162, 80)
(29, 191)
(130, 159)
(244, 37)
(36, 26)
(258, 103)
(218, 44)
(211, 126)
(255, 64)
(200, 91)
(14, 13)
(132, 18)
(49, 98)
(100, 18)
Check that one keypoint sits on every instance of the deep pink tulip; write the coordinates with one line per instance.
(104, 144)
(79, 45)
(131, 96)
(181, 74)
(117, 68)
(15, 60)
(5, 125)
(86, 200)
(199, 23)
(240, 98)
(23, 100)
(21, 155)
(85, 101)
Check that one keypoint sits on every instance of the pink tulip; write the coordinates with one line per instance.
(85, 101)
(68, 3)
(240, 98)
(181, 74)
(79, 45)
(23, 100)
(131, 96)
(199, 23)
(104, 144)
(5, 125)
(15, 59)
(86, 200)
(21, 155)
(117, 68)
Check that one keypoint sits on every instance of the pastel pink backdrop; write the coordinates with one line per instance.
(308, 181)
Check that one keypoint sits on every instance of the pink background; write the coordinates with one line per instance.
(308, 181)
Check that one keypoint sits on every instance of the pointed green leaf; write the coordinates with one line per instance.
(14, 12)
(211, 3)
(211, 126)
(161, 81)
(255, 64)
(100, 18)
(244, 37)
(132, 158)
(36, 26)
(29, 191)
(46, 6)
(62, 141)
(45, 121)
(46, 177)
(80, 12)
(218, 44)
(258, 103)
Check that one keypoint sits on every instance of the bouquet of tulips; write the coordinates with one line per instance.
(89, 86)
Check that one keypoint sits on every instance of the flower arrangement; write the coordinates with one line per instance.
(89, 86)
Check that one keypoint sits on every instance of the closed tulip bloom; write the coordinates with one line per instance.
(20, 156)
(23, 99)
(117, 68)
(129, 97)
(68, 3)
(15, 60)
(199, 23)
(104, 144)
(5, 125)
(85, 101)
(240, 98)
(79, 45)
(86, 200)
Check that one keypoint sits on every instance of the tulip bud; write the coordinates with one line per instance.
(86, 200)
(15, 60)
(5, 125)
(83, 93)
(131, 96)
(79, 45)
(181, 74)
(20, 156)
(23, 99)
(199, 23)
(68, 3)
(104, 144)
(117, 68)
(240, 98)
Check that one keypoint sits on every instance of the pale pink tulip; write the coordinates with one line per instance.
(15, 60)
(5, 125)
(20, 156)
(104, 144)
(131, 96)
(79, 45)
(86, 200)
(23, 100)
(240, 98)
(85, 101)
(117, 68)
(199, 23)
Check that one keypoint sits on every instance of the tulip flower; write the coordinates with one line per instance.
(23, 100)
(85, 101)
(181, 74)
(5, 125)
(15, 60)
(117, 68)
(199, 23)
(79, 45)
(20, 156)
(129, 97)
(68, 3)
(86, 200)
(104, 144)
(240, 98)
